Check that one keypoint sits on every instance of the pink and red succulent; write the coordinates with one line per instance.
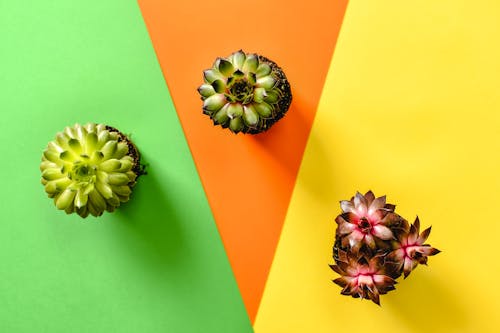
(365, 219)
(374, 246)
(363, 278)
(410, 250)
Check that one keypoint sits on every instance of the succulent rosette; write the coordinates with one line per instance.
(363, 278)
(245, 92)
(364, 220)
(90, 169)
(410, 250)
(374, 246)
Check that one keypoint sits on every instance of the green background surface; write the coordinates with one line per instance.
(156, 264)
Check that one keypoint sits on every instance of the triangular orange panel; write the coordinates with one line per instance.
(248, 179)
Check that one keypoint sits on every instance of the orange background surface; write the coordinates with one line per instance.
(248, 179)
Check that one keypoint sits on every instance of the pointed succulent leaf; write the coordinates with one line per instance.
(97, 200)
(211, 75)
(239, 59)
(102, 138)
(118, 179)
(91, 208)
(51, 155)
(70, 132)
(272, 97)
(52, 174)
(251, 63)
(109, 149)
(125, 165)
(51, 187)
(114, 200)
(61, 184)
(47, 165)
(219, 86)
(91, 143)
(221, 117)
(123, 191)
(214, 102)
(91, 128)
(80, 199)
(250, 115)
(263, 109)
(110, 165)
(259, 94)
(225, 67)
(263, 70)
(65, 199)
(104, 189)
(56, 147)
(236, 124)
(206, 90)
(62, 140)
(234, 110)
(75, 145)
(266, 82)
(121, 150)
(81, 133)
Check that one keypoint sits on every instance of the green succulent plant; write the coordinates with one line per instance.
(90, 169)
(244, 92)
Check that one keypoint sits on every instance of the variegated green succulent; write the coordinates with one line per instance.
(246, 92)
(90, 169)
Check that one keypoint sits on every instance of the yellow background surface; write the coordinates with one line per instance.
(411, 109)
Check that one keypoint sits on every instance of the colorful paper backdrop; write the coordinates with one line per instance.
(405, 103)
(248, 179)
(411, 109)
(155, 265)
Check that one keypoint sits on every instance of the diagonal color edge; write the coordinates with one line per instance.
(248, 179)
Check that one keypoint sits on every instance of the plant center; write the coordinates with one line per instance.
(364, 225)
(82, 172)
(241, 90)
